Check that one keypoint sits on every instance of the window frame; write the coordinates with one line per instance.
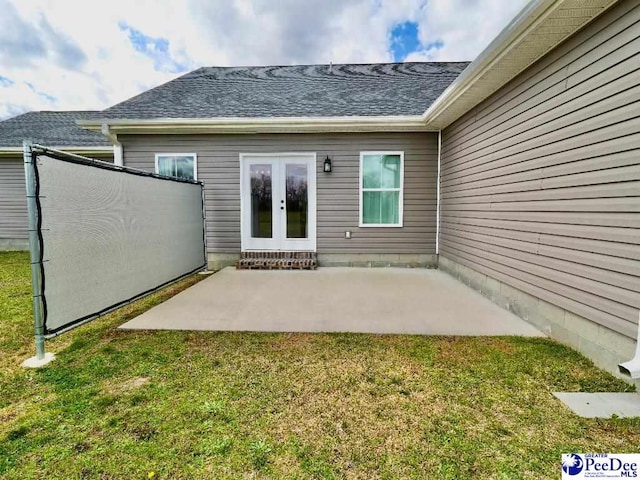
(400, 190)
(195, 162)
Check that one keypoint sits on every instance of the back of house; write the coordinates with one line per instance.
(537, 144)
(519, 173)
(259, 137)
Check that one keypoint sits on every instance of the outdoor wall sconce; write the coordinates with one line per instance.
(327, 165)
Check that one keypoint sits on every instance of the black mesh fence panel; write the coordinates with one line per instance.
(109, 235)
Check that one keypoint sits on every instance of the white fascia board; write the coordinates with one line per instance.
(102, 151)
(493, 67)
(497, 48)
(410, 123)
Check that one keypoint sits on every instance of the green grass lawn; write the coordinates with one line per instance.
(124, 404)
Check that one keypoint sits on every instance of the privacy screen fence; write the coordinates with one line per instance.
(103, 235)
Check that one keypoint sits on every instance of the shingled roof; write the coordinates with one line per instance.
(54, 129)
(386, 89)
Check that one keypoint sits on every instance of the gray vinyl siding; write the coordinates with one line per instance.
(540, 184)
(13, 202)
(337, 193)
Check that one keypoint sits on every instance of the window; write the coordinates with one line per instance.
(381, 181)
(179, 165)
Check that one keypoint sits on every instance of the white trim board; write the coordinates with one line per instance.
(401, 190)
(241, 125)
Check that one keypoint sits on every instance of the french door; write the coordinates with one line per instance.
(278, 201)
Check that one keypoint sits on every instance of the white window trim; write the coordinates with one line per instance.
(195, 161)
(401, 190)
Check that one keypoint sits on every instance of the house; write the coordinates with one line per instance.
(518, 173)
(246, 129)
(48, 128)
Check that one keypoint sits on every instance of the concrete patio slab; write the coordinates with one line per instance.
(366, 300)
(601, 405)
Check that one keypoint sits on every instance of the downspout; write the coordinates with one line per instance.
(438, 194)
(632, 367)
(117, 146)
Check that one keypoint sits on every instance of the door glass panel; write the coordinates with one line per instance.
(297, 200)
(261, 204)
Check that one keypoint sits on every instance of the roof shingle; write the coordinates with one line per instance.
(386, 89)
(54, 129)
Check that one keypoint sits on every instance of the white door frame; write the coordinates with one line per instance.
(279, 228)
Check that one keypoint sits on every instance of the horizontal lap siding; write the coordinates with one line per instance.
(337, 193)
(541, 182)
(13, 200)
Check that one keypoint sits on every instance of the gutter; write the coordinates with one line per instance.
(88, 151)
(117, 146)
(541, 26)
(236, 125)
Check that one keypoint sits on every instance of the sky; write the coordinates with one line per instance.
(90, 54)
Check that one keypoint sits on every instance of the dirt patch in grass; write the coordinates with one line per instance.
(117, 388)
(288, 341)
(11, 412)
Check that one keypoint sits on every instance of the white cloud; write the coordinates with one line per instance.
(66, 54)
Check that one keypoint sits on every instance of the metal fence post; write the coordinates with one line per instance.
(204, 234)
(41, 358)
